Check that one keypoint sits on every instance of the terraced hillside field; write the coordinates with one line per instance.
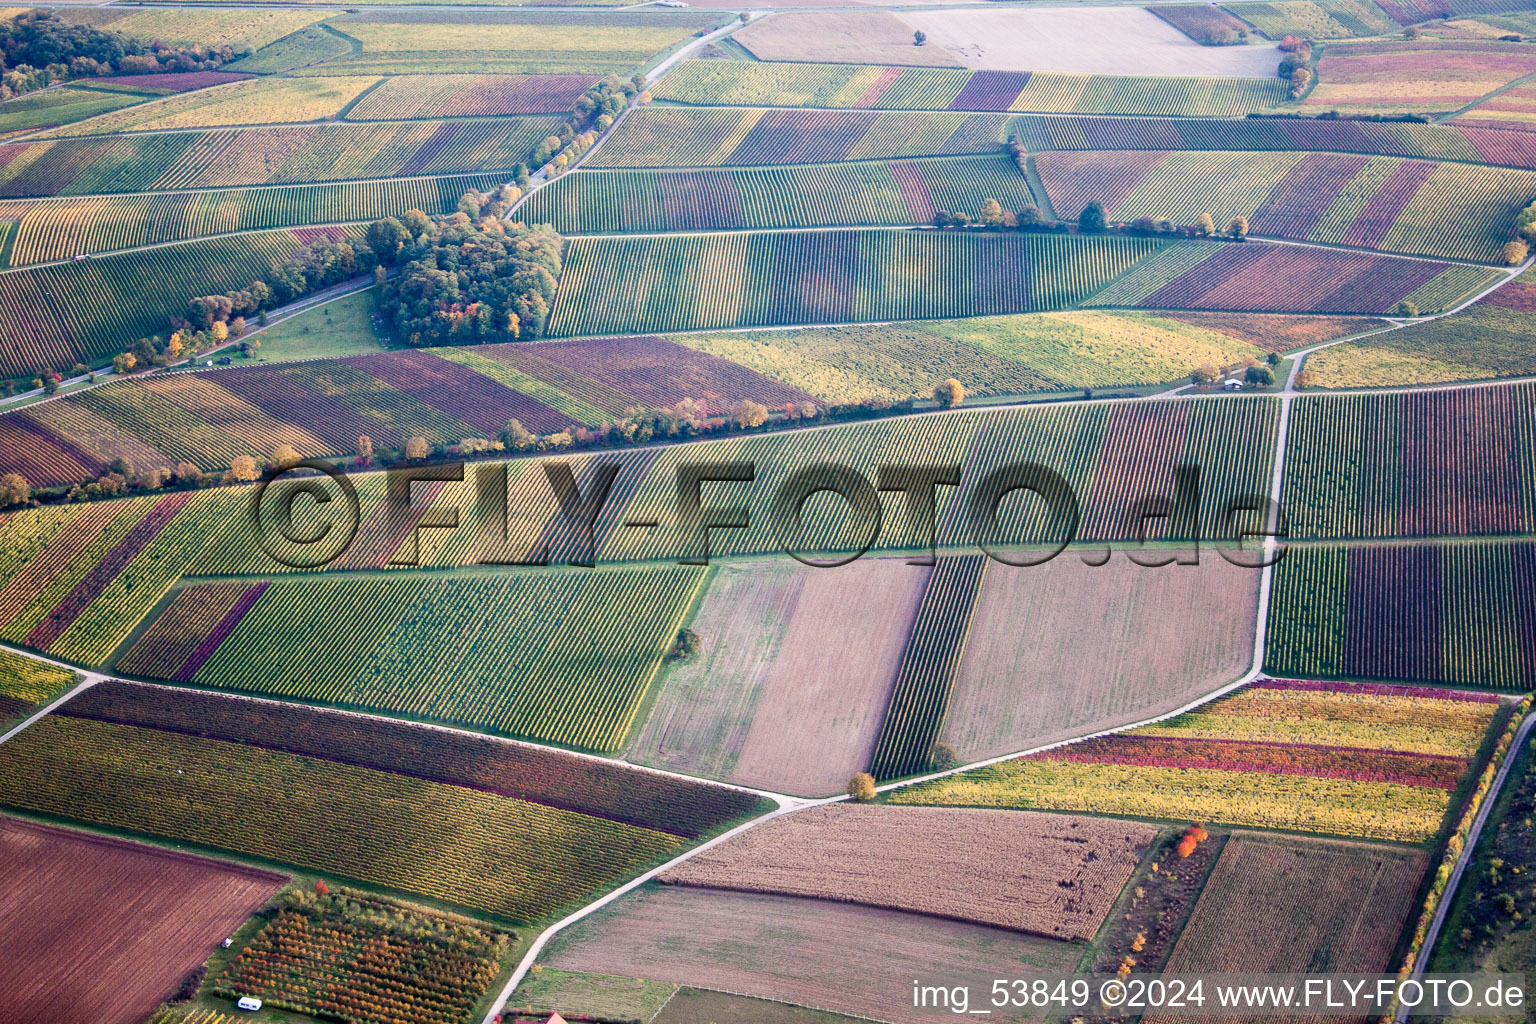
(60, 314)
(897, 192)
(59, 229)
(1452, 210)
(756, 83)
(746, 280)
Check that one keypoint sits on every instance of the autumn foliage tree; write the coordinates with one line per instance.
(949, 393)
(862, 787)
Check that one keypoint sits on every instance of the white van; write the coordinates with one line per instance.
(250, 1003)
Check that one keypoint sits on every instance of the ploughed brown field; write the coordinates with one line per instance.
(1283, 904)
(1061, 649)
(840, 37)
(1051, 874)
(829, 956)
(794, 673)
(98, 930)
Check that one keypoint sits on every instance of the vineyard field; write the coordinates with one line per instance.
(320, 407)
(1457, 614)
(1261, 277)
(654, 136)
(470, 96)
(1463, 143)
(598, 788)
(166, 161)
(63, 313)
(1486, 341)
(26, 685)
(510, 858)
(1311, 896)
(901, 192)
(1370, 762)
(252, 101)
(57, 229)
(574, 676)
(1009, 355)
(1414, 76)
(48, 107)
(1449, 210)
(1315, 19)
(774, 84)
(750, 280)
(1423, 464)
(915, 718)
(320, 951)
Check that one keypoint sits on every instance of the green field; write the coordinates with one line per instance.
(750, 280)
(48, 107)
(827, 195)
(340, 327)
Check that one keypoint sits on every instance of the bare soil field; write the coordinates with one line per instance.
(94, 929)
(699, 1006)
(1287, 904)
(847, 37)
(1062, 649)
(830, 956)
(1085, 40)
(793, 677)
(1050, 874)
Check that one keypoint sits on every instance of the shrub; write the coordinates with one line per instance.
(1515, 251)
(1406, 308)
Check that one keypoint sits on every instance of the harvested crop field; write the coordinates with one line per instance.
(840, 37)
(1085, 40)
(1050, 874)
(1065, 648)
(102, 930)
(1274, 905)
(794, 675)
(831, 956)
(1272, 332)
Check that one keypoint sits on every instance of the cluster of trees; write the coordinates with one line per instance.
(1296, 64)
(1254, 372)
(38, 49)
(466, 282)
(1094, 220)
(994, 218)
(591, 115)
(1222, 35)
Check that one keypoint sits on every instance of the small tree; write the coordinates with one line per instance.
(1407, 309)
(242, 469)
(862, 787)
(1300, 79)
(1272, 360)
(943, 757)
(1237, 227)
(949, 393)
(188, 475)
(1205, 373)
(745, 16)
(517, 437)
(1094, 219)
(1259, 375)
(991, 214)
(1205, 225)
(14, 490)
(747, 414)
(919, 37)
(364, 449)
(686, 646)
(1306, 379)
(1515, 251)
(124, 363)
(416, 448)
(284, 457)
